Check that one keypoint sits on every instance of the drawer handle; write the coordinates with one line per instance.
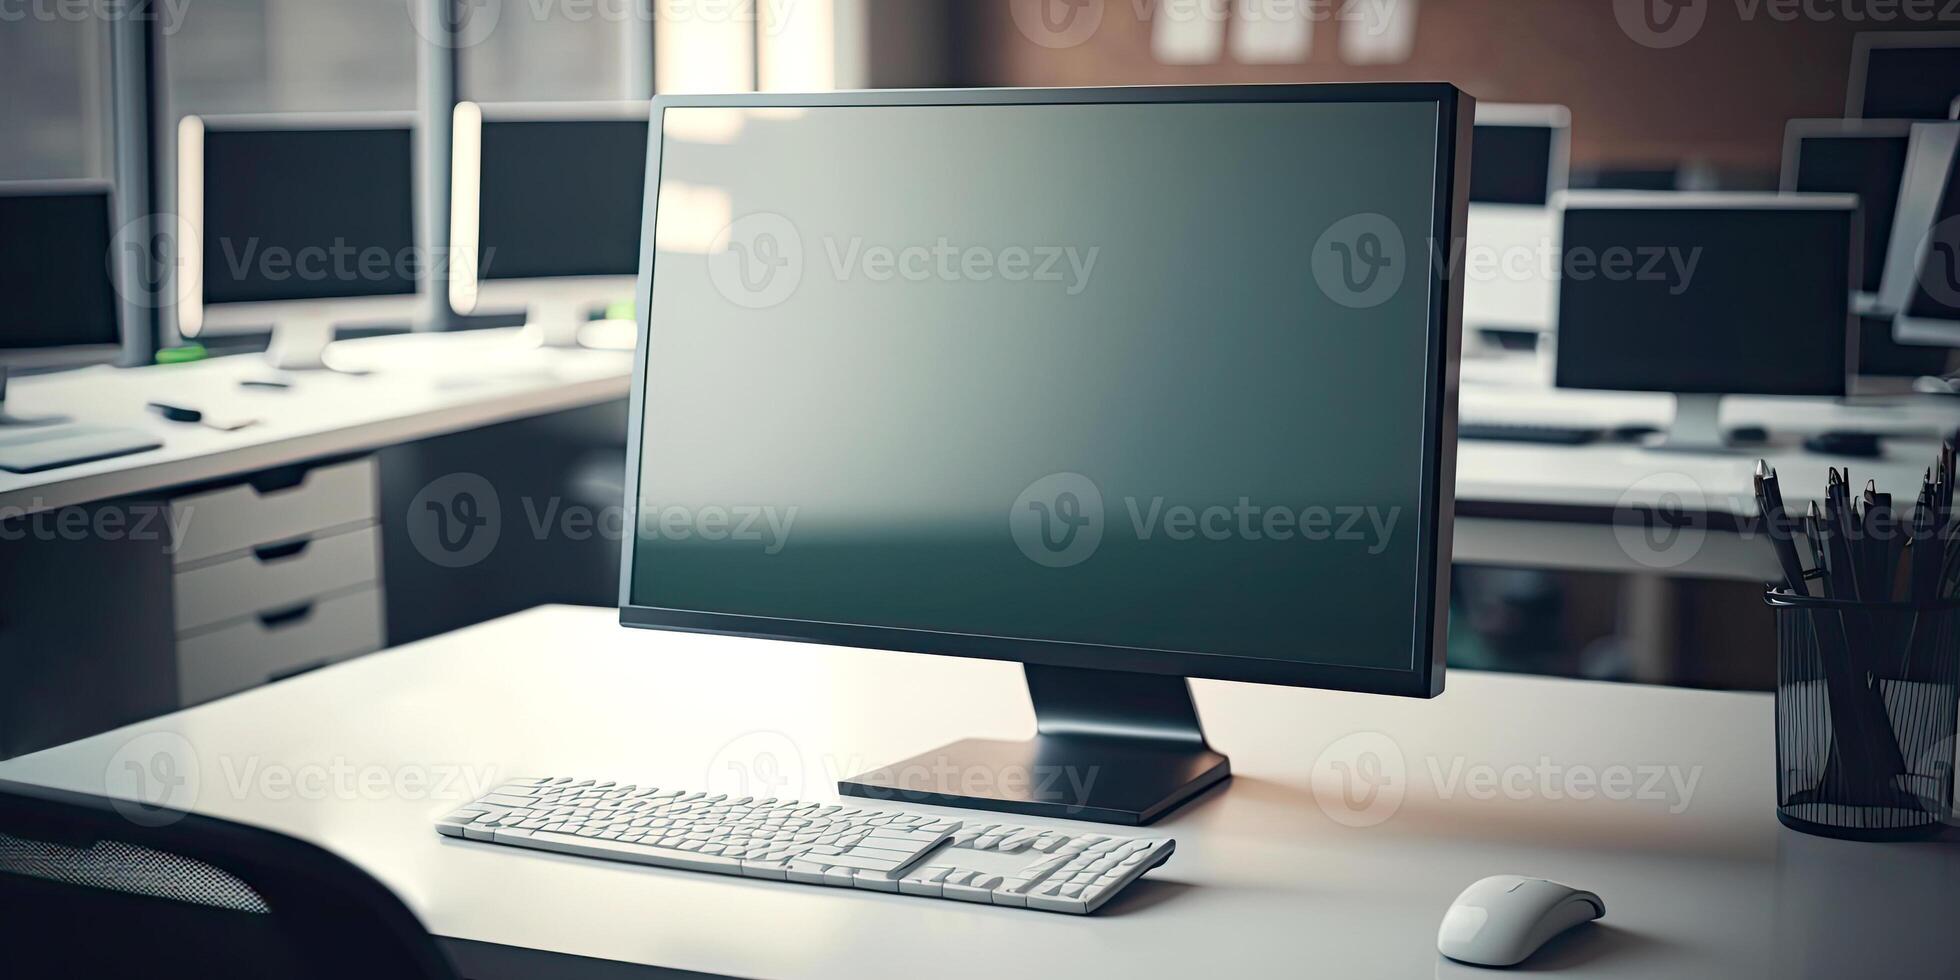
(282, 618)
(267, 554)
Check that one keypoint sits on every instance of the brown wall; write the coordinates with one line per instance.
(1721, 98)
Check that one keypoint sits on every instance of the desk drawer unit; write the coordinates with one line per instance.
(269, 582)
(273, 577)
(268, 646)
(241, 517)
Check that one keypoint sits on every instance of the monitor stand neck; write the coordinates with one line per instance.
(1110, 746)
(1697, 426)
(11, 421)
(554, 323)
(299, 342)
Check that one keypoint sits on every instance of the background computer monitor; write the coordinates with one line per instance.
(1865, 157)
(546, 208)
(1521, 155)
(300, 222)
(1918, 285)
(1520, 160)
(971, 395)
(57, 298)
(1904, 75)
(1707, 294)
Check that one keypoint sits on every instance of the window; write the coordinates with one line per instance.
(56, 114)
(231, 56)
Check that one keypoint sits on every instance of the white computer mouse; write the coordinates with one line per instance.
(1504, 918)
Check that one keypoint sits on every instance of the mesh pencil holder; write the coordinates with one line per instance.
(1866, 699)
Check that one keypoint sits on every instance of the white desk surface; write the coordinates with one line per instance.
(1264, 882)
(421, 385)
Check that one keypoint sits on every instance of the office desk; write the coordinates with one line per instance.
(1698, 878)
(421, 385)
(1557, 506)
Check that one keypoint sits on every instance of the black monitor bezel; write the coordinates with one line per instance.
(1424, 678)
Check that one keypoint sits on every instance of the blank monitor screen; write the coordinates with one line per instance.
(1764, 309)
(1911, 82)
(1047, 372)
(561, 198)
(295, 214)
(55, 289)
(1511, 164)
(1868, 166)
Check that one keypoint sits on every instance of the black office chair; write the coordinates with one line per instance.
(88, 892)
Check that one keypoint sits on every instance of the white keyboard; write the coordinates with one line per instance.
(786, 840)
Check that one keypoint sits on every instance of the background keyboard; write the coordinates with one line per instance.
(786, 840)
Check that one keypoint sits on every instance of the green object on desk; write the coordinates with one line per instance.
(621, 309)
(182, 355)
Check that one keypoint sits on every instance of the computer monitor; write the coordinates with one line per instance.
(1865, 157)
(1522, 153)
(1520, 160)
(58, 303)
(300, 222)
(545, 209)
(1904, 75)
(1922, 272)
(1705, 295)
(1104, 381)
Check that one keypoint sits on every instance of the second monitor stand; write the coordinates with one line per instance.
(1109, 746)
(1697, 426)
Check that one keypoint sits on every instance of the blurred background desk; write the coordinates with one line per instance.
(224, 560)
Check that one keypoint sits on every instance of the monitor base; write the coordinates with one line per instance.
(1111, 747)
(1697, 427)
(11, 421)
(300, 344)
